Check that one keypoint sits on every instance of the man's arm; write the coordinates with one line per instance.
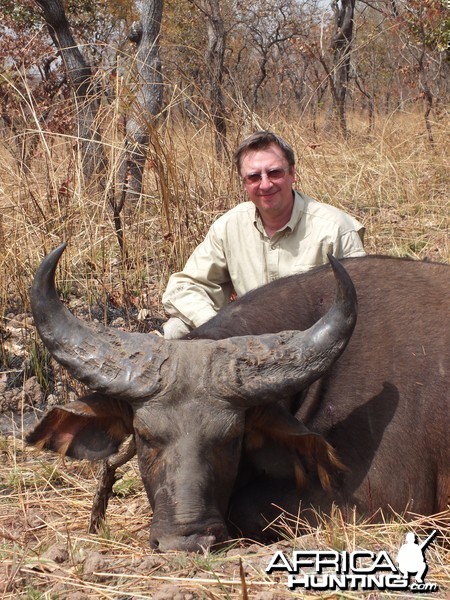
(203, 287)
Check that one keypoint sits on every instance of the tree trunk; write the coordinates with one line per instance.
(141, 119)
(149, 95)
(341, 44)
(214, 58)
(87, 96)
(427, 96)
(261, 79)
(370, 104)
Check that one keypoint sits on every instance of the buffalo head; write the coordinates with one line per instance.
(186, 403)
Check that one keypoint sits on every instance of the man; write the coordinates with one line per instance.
(277, 233)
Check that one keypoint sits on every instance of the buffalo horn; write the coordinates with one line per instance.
(107, 360)
(262, 369)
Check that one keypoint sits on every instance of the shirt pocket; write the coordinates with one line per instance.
(312, 255)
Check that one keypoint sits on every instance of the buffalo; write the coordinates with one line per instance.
(255, 414)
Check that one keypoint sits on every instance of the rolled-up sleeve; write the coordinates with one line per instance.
(203, 287)
(350, 244)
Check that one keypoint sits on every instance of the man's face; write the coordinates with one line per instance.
(272, 195)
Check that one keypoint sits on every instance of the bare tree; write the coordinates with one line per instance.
(140, 120)
(148, 96)
(423, 32)
(86, 93)
(341, 45)
(269, 25)
(214, 58)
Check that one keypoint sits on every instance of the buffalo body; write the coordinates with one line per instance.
(384, 405)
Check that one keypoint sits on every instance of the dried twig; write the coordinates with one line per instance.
(106, 481)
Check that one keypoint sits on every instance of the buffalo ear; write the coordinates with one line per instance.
(92, 427)
(306, 447)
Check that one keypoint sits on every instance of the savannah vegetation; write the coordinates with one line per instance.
(117, 126)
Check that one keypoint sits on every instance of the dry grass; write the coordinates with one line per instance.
(45, 551)
(391, 180)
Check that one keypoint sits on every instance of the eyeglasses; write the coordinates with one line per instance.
(271, 174)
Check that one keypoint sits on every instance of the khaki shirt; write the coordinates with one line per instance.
(238, 254)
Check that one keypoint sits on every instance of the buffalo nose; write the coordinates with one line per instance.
(195, 542)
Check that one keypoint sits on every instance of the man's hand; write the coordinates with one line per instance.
(175, 328)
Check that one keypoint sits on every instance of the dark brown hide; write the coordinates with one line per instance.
(185, 401)
(384, 406)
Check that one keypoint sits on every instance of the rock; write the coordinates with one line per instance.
(149, 564)
(171, 592)
(58, 553)
(33, 392)
(53, 400)
(11, 400)
(94, 563)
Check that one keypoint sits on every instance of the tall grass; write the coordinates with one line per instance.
(392, 180)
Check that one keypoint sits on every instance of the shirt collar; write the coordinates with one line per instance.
(297, 213)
